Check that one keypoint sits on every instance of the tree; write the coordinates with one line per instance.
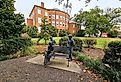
(46, 31)
(113, 15)
(32, 31)
(63, 33)
(94, 21)
(60, 1)
(11, 26)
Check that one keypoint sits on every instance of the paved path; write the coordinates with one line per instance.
(19, 70)
(58, 62)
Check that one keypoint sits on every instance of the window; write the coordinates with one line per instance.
(49, 16)
(61, 17)
(53, 16)
(46, 14)
(63, 24)
(57, 23)
(39, 20)
(53, 23)
(57, 17)
(60, 23)
(39, 11)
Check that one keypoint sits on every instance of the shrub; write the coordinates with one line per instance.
(113, 54)
(63, 33)
(78, 43)
(98, 67)
(80, 33)
(11, 46)
(63, 41)
(113, 34)
(90, 42)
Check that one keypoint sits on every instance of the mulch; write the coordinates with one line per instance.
(95, 53)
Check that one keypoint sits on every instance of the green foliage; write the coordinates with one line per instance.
(63, 41)
(11, 46)
(90, 42)
(98, 67)
(32, 31)
(11, 26)
(78, 43)
(46, 31)
(28, 51)
(113, 33)
(96, 21)
(80, 33)
(113, 55)
(63, 33)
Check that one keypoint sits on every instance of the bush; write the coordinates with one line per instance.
(98, 67)
(63, 33)
(80, 33)
(113, 55)
(11, 46)
(28, 51)
(113, 34)
(32, 31)
(90, 42)
(78, 43)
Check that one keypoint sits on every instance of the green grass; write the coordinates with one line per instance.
(101, 42)
(34, 40)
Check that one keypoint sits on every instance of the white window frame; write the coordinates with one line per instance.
(61, 17)
(57, 23)
(39, 20)
(53, 16)
(53, 23)
(61, 23)
(57, 16)
(39, 11)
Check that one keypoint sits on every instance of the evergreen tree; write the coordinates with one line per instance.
(11, 26)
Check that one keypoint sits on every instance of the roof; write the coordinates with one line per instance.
(54, 9)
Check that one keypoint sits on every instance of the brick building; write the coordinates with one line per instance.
(55, 17)
(73, 26)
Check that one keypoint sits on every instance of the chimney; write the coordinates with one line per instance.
(42, 4)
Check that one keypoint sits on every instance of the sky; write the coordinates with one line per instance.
(25, 6)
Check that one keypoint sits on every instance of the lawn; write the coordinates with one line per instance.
(101, 42)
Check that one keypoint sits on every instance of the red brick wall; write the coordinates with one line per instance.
(73, 27)
(64, 20)
(34, 15)
(29, 22)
